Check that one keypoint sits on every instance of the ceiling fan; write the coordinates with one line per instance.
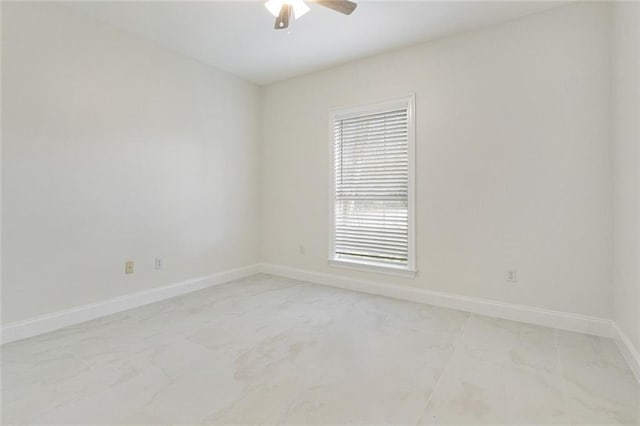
(282, 9)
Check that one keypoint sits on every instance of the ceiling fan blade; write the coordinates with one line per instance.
(342, 6)
(282, 21)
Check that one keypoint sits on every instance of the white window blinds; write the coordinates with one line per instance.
(371, 159)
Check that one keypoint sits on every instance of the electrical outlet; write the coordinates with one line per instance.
(512, 276)
(301, 249)
(128, 267)
(158, 263)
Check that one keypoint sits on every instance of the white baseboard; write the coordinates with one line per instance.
(54, 321)
(630, 353)
(555, 319)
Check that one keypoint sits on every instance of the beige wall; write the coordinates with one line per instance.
(139, 152)
(115, 149)
(626, 148)
(513, 160)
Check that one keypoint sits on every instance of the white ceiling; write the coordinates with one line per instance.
(238, 36)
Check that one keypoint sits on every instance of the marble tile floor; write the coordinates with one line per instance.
(270, 350)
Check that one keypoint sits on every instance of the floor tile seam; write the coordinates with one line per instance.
(446, 367)
(562, 378)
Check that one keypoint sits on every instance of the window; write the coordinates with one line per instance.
(372, 186)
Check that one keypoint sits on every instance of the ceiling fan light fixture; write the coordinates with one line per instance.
(283, 9)
(299, 7)
(274, 6)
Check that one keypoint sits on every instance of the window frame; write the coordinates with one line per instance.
(340, 113)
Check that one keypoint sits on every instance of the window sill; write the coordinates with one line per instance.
(381, 268)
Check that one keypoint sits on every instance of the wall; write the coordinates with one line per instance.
(513, 160)
(626, 158)
(113, 150)
(140, 153)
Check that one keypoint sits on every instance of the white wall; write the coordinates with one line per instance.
(626, 149)
(139, 152)
(115, 149)
(513, 160)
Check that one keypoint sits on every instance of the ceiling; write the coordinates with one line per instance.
(238, 36)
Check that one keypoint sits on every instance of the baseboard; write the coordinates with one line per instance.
(561, 320)
(54, 321)
(630, 353)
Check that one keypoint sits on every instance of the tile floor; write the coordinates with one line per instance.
(271, 350)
